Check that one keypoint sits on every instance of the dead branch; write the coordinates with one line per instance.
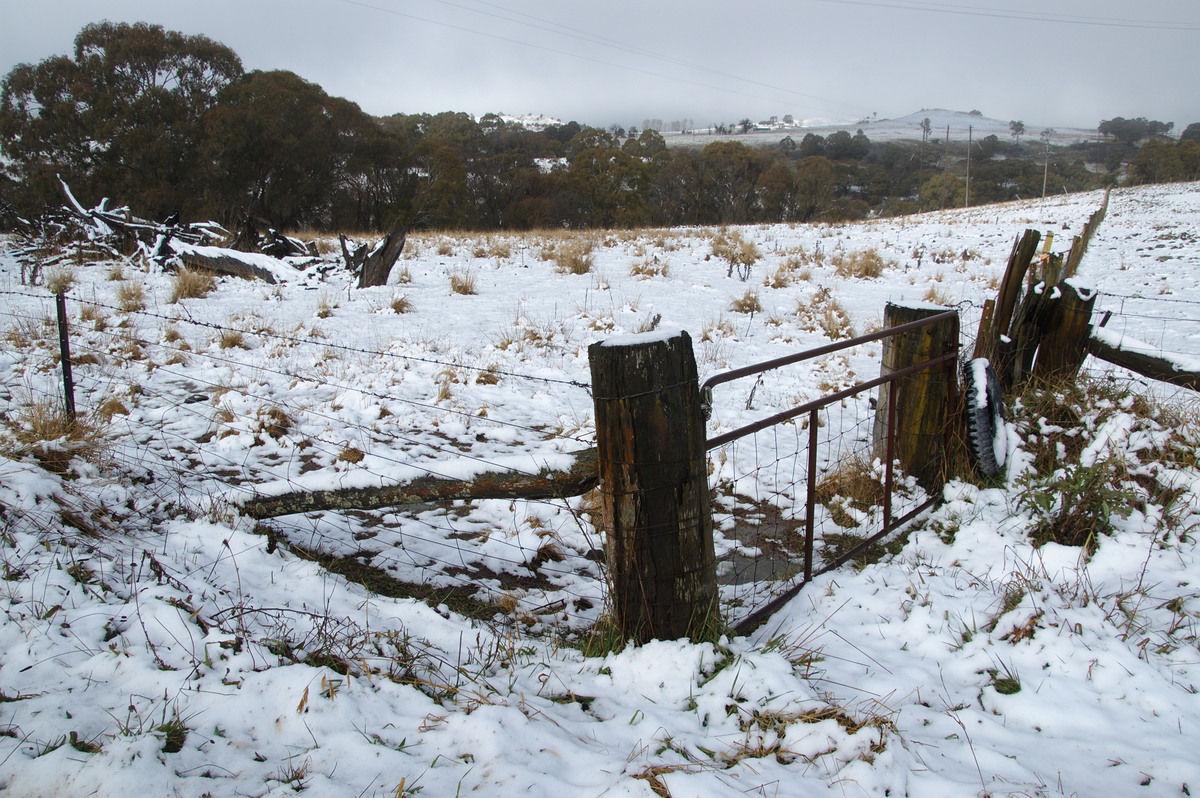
(546, 484)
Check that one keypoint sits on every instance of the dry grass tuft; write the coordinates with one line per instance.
(865, 264)
(350, 454)
(746, 303)
(936, 295)
(739, 253)
(59, 280)
(401, 304)
(649, 267)
(90, 314)
(43, 430)
(130, 297)
(325, 307)
(231, 339)
(573, 256)
(463, 283)
(191, 284)
(825, 314)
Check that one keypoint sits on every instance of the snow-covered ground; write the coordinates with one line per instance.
(155, 640)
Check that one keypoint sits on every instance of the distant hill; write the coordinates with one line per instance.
(902, 128)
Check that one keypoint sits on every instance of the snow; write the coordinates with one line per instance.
(1176, 360)
(138, 602)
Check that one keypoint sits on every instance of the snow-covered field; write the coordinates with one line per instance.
(155, 640)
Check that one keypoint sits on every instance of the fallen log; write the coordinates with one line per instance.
(233, 262)
(1139, 357)
(576, 480)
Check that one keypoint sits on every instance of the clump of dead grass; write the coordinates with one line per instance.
(131, 298)
(43, 430)
(574, 256)
(740, 254)
(190, 284)
(866, 264)
(649, 267)
(746, 303)
(823, 313)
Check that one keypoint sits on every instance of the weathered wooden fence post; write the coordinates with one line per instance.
(923, 399)
(1063, 345)
(654, 483)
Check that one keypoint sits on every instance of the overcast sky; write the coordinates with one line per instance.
(1061, 63)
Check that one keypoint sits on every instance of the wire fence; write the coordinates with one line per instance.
(200, 423)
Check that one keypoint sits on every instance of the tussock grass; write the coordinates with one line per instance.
(131, 298)
(190, 284)
(740, 254)
(574, 256)
(42, 429)
(649, 267)
(865, 264)
(746, 303)
(94, 316)
(463, 283)
(232, 339)
(823, 313)
(60, 280)
(937, 295)
(400, 304)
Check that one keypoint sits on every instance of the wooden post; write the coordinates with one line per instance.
(923, 398)
(64, 350)
(654, 485)
(1064, 338)
(992, 345)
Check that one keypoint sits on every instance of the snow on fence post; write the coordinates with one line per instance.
(1063, 345)
(654, 485)
(923, 399)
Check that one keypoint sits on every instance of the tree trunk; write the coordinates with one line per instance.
(377, 266)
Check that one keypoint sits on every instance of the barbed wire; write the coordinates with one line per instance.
(315, 342)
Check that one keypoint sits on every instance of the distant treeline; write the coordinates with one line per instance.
(171, 125)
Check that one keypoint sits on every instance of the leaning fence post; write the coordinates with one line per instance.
(64, 351)
(654, 485)
(922, 399)
(1063, 346)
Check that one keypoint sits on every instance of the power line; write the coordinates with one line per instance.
(1029, 16)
